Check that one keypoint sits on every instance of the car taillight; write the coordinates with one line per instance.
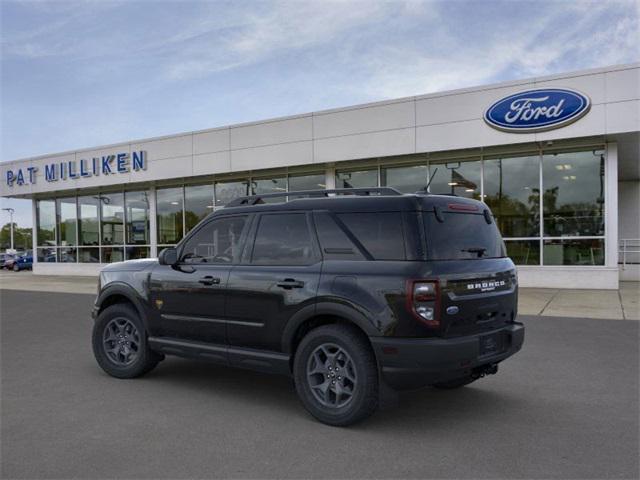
(423, 300)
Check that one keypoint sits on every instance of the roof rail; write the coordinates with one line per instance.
(257, 199)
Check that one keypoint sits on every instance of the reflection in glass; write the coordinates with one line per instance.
(89, 255)
(67, 255)
(573, 198)
(574, 252)
(405, 179)
(227, 191)
(456, 178)
(169, 206)
(269, 185)
(307, 182)
(67, 212)
(512, 191)
(357, 179)
(47, 255)
(524, 252)
(137, 217)
(198, 203)
(46, 218)
(88, 220)
(137, 252)
(112, 254)
(112, 218)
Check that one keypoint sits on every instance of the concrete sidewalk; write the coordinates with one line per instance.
(620, 304)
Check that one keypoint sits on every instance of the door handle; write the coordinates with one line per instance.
(289, 283)
(209, 280)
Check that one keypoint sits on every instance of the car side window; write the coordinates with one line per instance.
(216, 242)
(283, 239)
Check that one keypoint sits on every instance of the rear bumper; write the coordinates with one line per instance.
(408, 363)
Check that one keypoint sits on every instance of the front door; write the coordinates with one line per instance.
(189, 298)
(278, 276)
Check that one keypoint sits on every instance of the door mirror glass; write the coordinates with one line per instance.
(168, 256)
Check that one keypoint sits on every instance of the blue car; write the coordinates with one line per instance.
(23, 262)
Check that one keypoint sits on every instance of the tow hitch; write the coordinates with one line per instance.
(484, 370)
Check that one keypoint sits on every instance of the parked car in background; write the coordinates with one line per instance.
(23, 262)
(7, 260)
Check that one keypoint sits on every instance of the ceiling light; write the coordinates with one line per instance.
(452, 184)
(469, 190)
(175, 203)
(322, 185)
(567, 166)
(559, 167)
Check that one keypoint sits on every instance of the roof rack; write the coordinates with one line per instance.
(257, 199)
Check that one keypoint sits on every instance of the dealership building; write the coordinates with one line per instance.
(556, 158)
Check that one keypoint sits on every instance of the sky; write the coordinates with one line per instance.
(86, 73)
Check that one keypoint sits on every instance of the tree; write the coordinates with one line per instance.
(21, 237)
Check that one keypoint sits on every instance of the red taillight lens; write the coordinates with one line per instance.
(423, 300)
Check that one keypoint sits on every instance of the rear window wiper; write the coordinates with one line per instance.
(479, 250)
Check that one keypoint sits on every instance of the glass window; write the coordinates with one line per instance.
(523, 252)
(574, 252)
(227, 191)
(573, 198)
(112, 218)
(89, 255)
(334, 242)
(216, 242)
(88, 220)
(169, 207)
(137, 217)
(269, 185)
(198, 203)
(357, 179)
(462, 236)
(67, 212)
(67, 255)
(112, 254)
(46, 222)
(136, 252)
(381, 234)
(47, 255)
(512, 191)
(456, 178)
(283, 239)
(314, 181)
(406, 179)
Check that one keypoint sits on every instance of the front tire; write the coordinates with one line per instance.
(16, 268)
(336, 375)
(120, 345)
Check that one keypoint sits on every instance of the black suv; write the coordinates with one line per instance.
(355, 293)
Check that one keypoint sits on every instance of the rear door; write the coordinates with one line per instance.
(278, 276)
(466, 254)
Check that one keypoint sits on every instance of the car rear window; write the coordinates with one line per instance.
(462, 236)
(381, 234)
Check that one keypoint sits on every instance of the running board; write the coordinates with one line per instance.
(252, 359)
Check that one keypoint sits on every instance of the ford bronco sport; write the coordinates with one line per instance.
(355, 293)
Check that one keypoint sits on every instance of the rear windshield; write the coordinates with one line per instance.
(462, 236)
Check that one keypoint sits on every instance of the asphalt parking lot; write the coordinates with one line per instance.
(565, 407)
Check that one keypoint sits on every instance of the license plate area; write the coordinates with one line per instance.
(491, 344)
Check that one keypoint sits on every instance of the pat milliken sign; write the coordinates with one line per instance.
(537, 110)
(105, 165)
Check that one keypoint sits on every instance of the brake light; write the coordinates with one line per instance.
(423, 301)
(462, 207)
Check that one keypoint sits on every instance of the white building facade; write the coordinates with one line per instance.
(556, 158)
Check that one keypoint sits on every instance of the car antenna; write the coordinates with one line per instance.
(426, 187)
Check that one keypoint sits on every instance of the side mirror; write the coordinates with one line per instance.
(168, 256)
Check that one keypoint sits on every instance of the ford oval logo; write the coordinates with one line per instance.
(537, 110)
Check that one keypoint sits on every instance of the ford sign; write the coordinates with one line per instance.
(537, 110)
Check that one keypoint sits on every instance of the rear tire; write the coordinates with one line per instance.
(336, 375)
(16, 268)
(120, 345)
(455, 383)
